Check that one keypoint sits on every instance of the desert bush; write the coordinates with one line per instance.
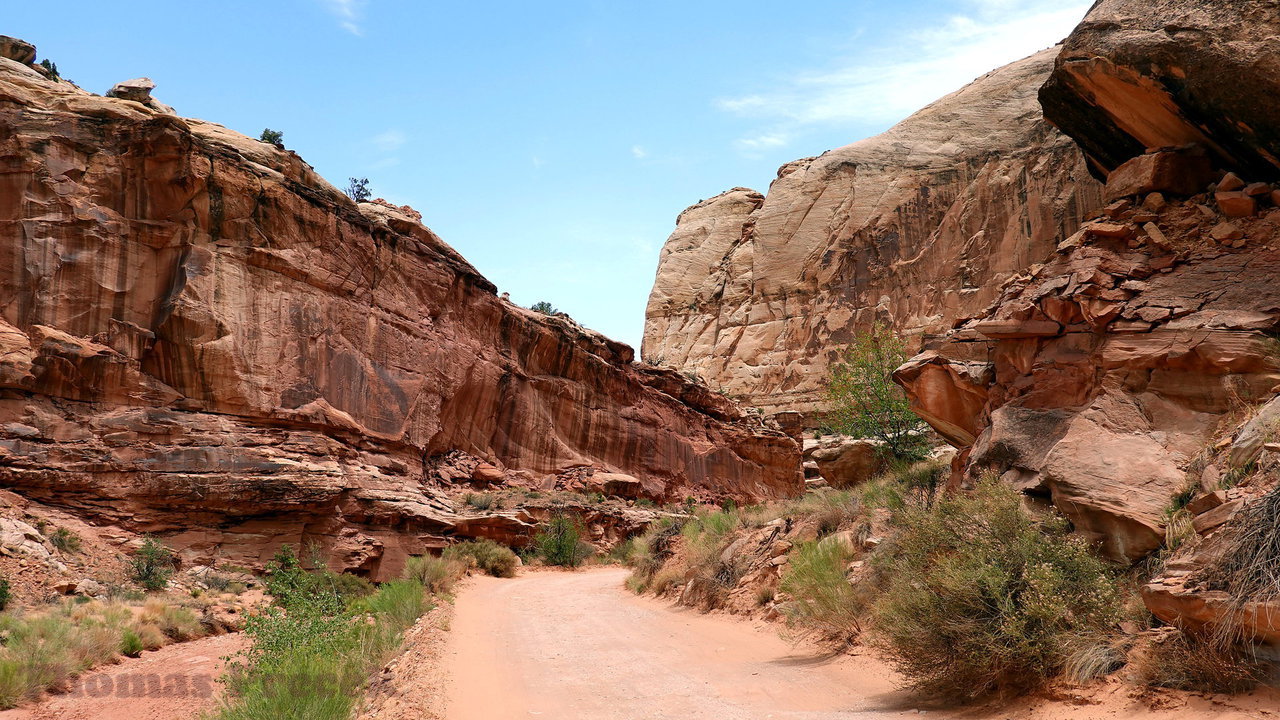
(863, 401)
(65, 540)
(130, 643)
(52, 67)
(272, 137)
(560, 542)
(822, 599)
(1186, 662)
(829, 509)
(480, 501)
(544, 307)
(152, 564)
(5, 593)
(495, 559)
(358, 189)
(436, 574)
(981, 598)
(764, 595)
(289, 583)
(650, 552)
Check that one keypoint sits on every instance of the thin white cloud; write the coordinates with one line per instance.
(638, 152)
(763, 141)
(390, 140)
(348, 13)
(885, 83)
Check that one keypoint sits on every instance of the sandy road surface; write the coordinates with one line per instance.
(577, 646)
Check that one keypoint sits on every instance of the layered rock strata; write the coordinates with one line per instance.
(757, 294)
(201, 338)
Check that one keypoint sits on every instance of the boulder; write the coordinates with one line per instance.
(1182, 172)
(1236, 204)
(844, 461)
(1260, 429)
(17, 50)
(19, 538)
(137, 90)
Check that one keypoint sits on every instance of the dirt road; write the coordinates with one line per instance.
(577, 646)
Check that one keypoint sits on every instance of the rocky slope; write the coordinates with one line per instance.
(201, 338)
(915, 227)
(1104, 378)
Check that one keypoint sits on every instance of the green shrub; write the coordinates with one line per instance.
(130, 643)
(311, 661)
(981, 598)
(65, 540)
(822, 599)
(560, 542)
(544, 307)
(863, 401)
(152, 565)
(289, 583)
(487, 555)
(5, 593)
(52, 67)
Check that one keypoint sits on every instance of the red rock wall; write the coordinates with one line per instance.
(201, 337)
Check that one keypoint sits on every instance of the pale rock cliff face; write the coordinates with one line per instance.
(916, 227)
(201, 338)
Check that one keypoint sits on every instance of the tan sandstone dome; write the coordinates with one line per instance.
(915, 227)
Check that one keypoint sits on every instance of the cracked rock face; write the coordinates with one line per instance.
(1097, 377)
(757, 294)
(200, 337)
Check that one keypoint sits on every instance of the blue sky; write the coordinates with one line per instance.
(552, 143)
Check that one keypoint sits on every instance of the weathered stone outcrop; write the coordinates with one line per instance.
(915, 227)
(1099, 375)
(201, 338)
(1139, 74)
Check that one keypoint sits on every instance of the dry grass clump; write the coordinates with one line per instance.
(487, 555)
(823, 601)
(1186, 662)
(1249, 569)
(44, 650)
(437, 574)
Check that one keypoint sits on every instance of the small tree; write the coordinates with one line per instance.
(544, 307)
(274, 137)
(4, 593)
(152, 565)
(52, 67)
(865, 402)
(358, 189)
(560, 542)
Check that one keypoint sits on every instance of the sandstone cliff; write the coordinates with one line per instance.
(201, 338)
(916, 227)
(1110, 379)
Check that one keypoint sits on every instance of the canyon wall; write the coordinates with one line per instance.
(203, 339)
(1118, 374)
(916, 227)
